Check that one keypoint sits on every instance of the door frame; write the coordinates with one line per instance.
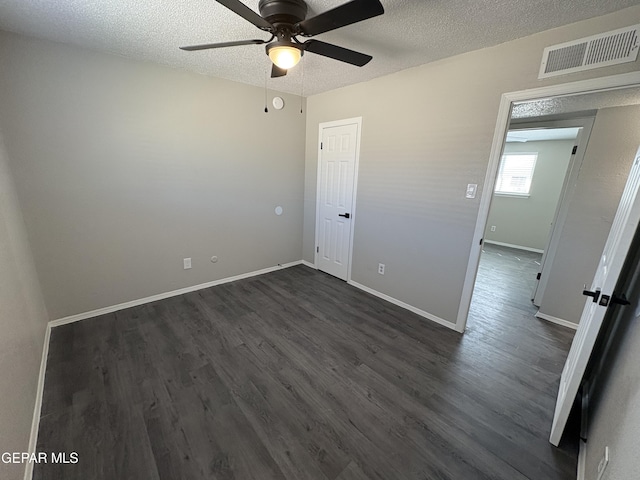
(507, 100)
(321, 127)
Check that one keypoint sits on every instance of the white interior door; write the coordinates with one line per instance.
(554, 233)
(622, 232)
(336, 186)
(570, 178)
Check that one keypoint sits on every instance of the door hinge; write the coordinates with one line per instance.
(538, 276)
(317, 249)
(575, 149)
(481, 241)
(320, 145)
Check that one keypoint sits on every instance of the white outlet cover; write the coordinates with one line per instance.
(604, 461)
(472, 188)
(187, 263)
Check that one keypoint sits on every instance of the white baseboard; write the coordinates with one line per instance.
(35, 421)
(556, 320)
(511, 245)
(309, 264)
(402, 304)
(161, 296)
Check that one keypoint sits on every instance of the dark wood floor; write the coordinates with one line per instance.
(505, 282)
(296, 375)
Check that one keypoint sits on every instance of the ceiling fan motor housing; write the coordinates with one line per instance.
(283, 11)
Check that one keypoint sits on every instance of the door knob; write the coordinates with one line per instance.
(345, 215)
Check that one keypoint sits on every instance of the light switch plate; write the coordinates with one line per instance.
(472, 188)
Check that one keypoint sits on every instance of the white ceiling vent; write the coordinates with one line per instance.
(611, 48)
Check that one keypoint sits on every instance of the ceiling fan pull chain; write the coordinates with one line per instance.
(302, 86)
(266, 75)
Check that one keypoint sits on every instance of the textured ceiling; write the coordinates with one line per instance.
(410, 33)
(571, 104)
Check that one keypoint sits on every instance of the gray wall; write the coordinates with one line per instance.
(592, 206)
(426, 134)
(123, 168)
(23, 321)
(526, 221)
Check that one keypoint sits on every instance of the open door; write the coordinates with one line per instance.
(560, 215)
(601, 295)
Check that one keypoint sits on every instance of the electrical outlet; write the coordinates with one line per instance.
(493, 228)
(187, 263)
(381, 268)
(602, 464)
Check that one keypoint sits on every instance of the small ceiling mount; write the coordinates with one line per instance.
(283, 12)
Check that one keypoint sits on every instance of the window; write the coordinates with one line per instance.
(515, 174)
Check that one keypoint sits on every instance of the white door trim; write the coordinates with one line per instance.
(502, 123)
(321, 127)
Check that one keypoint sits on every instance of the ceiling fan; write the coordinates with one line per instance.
(285, 20)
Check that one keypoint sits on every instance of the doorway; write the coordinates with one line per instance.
(535, 170)
(563, 102)
(582, 128)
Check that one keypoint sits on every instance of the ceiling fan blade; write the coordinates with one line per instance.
(239, 8)
(206, 46)
(337, 53)
(351, 12)
(276, 71)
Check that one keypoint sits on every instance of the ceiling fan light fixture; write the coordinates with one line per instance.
(284, 56)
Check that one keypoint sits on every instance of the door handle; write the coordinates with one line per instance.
(345, 215)
(621, 300)
(605, 300)
(595, 294)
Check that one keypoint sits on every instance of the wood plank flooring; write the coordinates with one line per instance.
(297, 375)
(506, 279)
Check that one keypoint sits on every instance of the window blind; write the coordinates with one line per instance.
(516, 173)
